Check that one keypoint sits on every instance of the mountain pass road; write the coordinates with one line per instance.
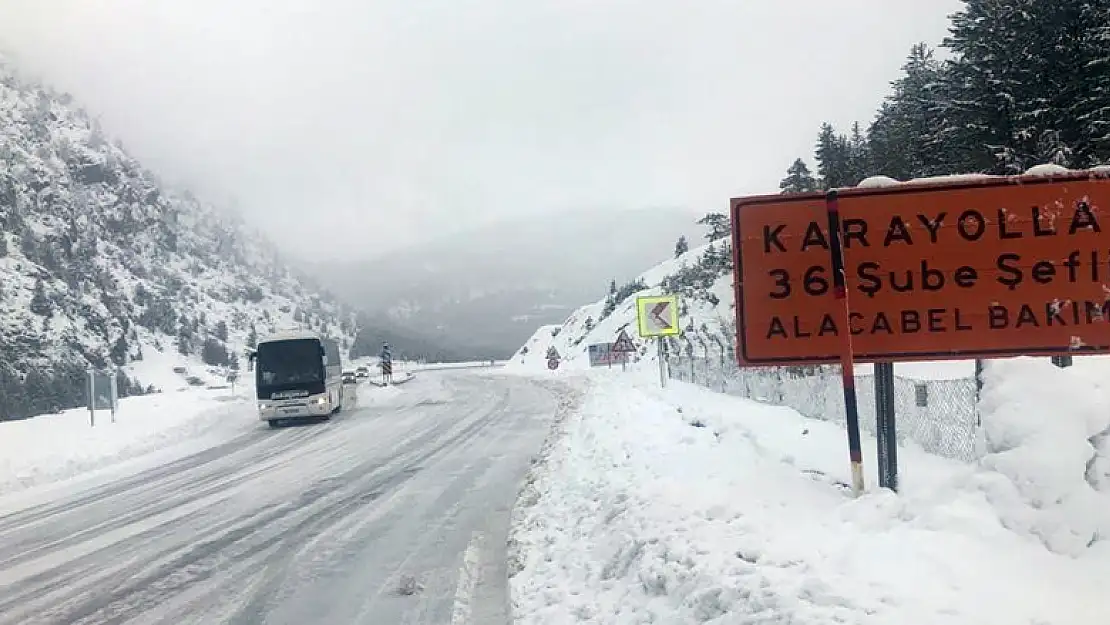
(394, 512)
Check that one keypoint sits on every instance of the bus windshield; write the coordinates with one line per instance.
(289, 362)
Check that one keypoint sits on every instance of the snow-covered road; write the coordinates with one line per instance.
(395, 512)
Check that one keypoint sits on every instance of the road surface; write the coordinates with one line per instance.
(391, 513)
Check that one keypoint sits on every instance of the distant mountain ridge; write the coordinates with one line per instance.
(483, 292)
(101, 264)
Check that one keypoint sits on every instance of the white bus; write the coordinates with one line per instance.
(297, 375)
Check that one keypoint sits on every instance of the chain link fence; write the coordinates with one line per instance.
(938, 415)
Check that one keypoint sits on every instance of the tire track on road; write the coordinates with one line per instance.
(268, 533)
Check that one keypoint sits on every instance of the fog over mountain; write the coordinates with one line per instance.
(488, 289)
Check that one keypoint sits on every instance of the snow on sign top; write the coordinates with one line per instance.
(657, 315)
(956, 269)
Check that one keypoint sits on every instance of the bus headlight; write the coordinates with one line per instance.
(320, 401)
(263, 406)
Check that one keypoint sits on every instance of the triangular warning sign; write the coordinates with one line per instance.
(553, 354)
(623, 344)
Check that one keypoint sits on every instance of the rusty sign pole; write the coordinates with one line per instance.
(847, 365)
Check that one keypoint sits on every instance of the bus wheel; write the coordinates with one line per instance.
(274, 423)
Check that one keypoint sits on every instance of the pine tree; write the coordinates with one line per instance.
(680, 247)
(3, 245)
(40, 303)
(718, 225)
(798, 179)
(612, 287)
(859, 155)
(992, 81)
(222, 331)
(1074, 40)
(214, 353)
(832, 158)
(185, 340)
(906, 139)
(119, 351)
(252, 337)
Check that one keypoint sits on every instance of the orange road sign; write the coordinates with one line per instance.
(990, 267)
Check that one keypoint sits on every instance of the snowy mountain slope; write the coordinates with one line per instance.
(100, 263)
(702, 277)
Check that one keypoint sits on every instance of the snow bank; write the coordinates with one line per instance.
(1046, 430)
(683, 506)
(54, 447)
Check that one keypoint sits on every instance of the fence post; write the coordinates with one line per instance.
(693, 363)
(91, 390)
(978, 391)
(115, 392)
(885, 429)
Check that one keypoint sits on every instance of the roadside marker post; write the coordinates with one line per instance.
(847, 364)
(657, 317)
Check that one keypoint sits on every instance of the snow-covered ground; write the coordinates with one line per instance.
(682, 505)
(54, 447)
(396, 511)
(148, 429)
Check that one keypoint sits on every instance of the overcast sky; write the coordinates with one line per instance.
(347, 127)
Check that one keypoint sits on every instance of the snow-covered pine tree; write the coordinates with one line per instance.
(718, 225)
(1077, 45)
(832, 158)
(40, 303)
(799, 179)
(906, 138)
(680, 247)
(992, 81)
(859, 155)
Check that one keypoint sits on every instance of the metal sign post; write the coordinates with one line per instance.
(657, 317)
(115, 394)
(885, 426)
(102, 393)
(90, 389)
